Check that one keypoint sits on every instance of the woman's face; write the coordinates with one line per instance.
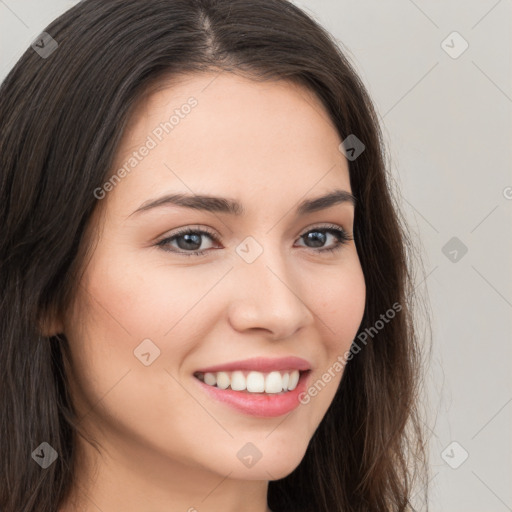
(150, 313)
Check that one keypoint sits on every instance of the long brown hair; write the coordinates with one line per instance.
(63, 115)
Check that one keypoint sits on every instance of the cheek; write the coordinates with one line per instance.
(149, 298)
(340, 306)
(118, 307)
(122, 307)
(338, 302)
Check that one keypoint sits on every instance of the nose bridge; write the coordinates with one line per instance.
(267, 295)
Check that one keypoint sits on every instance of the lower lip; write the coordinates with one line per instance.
(267, 405)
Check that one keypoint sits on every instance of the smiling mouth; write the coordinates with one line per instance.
(253, 382)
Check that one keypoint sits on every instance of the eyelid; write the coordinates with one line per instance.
(324, 225)
(213, 234)
(189, 227)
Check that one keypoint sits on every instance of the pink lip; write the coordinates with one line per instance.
(260, 404)
(261, 364)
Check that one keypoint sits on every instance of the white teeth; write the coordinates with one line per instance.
(273, 383)
(253, 382)
(223, 380)
(294, 379)
(286, 378)
(237, 381)
(210, 379)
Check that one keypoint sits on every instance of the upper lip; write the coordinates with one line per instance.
(261, 364)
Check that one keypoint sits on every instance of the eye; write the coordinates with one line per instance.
(319, 235)
(189, 240)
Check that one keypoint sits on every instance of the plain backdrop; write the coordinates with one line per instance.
(439, 73)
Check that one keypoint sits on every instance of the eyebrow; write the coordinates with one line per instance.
(232, 207)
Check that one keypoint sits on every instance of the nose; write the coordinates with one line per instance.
(269, 297)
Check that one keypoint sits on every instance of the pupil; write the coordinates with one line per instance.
(196, 239)
(317, 238)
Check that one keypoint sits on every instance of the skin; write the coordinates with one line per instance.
(166, 445)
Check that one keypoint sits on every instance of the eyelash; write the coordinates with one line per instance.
(343, 236)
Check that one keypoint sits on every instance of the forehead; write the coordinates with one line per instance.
(221, 133)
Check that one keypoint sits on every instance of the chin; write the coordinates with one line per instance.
(273, 467)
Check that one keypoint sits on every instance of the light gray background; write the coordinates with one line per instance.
(448, 125)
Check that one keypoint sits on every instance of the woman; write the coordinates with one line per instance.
(207, 300)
